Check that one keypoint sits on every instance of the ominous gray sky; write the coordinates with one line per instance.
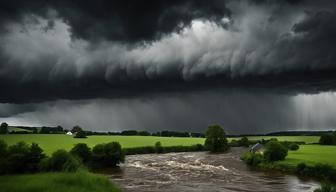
(251, 66)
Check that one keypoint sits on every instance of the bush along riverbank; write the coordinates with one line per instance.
(275, 152)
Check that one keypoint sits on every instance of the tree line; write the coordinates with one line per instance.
(60, 130)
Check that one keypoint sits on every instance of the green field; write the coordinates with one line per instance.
(52, 142)
(307, 139)
(56, 182)
(311, 154)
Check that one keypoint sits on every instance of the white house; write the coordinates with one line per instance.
(69, 133)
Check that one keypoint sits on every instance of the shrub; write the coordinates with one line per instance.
(294, 147)
(215, 139)
(18, 157)
(3, 149)
(61, 160)
(326, 187)
(322, 171)
(301, 169)
(252, 159)
(80, 134)
(275, 151)
(158, 147)
(82, 151)
(244, 142)
(3, 157)
(107, 155)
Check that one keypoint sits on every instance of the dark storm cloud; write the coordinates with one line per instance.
(86, 49)
(121, 20)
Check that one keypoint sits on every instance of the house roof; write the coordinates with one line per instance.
(257, 147)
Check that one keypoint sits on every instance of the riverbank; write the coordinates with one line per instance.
(56, 182)
(317, 161)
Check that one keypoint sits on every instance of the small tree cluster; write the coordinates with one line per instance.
(20, 158)
(328, 139)
(275, 151)
(24, 158)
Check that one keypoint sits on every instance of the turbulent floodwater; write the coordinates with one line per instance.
(201, 171)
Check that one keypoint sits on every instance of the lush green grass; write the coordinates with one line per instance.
(307, 139)
(311, 155)
(56, 182)
(52, 142)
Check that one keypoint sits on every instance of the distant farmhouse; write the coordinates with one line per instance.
(257, 148)
(69, 133)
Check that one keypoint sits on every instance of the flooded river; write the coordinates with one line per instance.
(200, 171)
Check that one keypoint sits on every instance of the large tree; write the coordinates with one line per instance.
(216, 139)
(3, 128)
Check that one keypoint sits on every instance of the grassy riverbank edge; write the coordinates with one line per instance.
(319, 171)
(81, 181)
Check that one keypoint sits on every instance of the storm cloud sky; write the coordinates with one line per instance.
(252, 66)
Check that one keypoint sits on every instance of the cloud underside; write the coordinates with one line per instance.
(75, 50)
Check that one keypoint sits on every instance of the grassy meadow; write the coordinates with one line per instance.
(306, 139)
(311, 155)
(51, 142)
(56, 182)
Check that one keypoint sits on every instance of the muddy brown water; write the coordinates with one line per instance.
(200, 171)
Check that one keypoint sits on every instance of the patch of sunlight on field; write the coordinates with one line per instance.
(52, 142)
(311, 155)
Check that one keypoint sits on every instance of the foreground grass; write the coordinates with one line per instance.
(51, 142)
(56, 182)
(311, 155)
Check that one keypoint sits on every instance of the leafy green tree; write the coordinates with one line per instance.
(114, 154)
(4, 128)
(244, 142)
(216, 139)
(275, 151)
(107, 155)
(328, 139)
(18, 157)
(34, 158)
(61, 160)
(76, 129)
(82, 151)
(80, 134)
(45, 130)
(294, 147)
(158, 147)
